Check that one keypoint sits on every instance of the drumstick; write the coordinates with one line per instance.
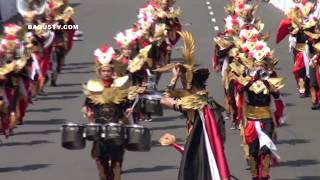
(133, 105)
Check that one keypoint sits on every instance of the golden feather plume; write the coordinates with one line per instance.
(189, 47)
(177, 93)
(188, 52)
(170, 66)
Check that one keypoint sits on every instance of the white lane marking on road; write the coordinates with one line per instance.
(213, 19)
(207, 2)
(211, 13)
(216, 28)
(209, 7)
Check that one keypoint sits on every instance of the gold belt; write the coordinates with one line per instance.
(256, 113)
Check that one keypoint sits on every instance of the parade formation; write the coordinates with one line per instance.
(28, 55)
(126, 92)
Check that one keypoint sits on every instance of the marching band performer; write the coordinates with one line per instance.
(59, 12)
(105, 103)
(259, 128)
(14, 78)
(252, 86)
(301, 17)
(313, 66)
(203, 155)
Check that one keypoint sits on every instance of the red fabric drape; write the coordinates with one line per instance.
(283, 29)
(298, 63)
(70, 34)
(216, 143)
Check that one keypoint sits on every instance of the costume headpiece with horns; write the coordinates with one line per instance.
(104, 56)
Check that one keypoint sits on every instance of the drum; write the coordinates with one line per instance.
(150, 104)
(93, 132)
(114, 134)
(138, 138)
(72, 136)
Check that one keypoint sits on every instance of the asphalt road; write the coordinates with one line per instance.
(34, 152)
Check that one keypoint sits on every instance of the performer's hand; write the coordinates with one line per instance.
(167, 139)
(176, 70)
(169, 102)
(217, 68)
(129, 110)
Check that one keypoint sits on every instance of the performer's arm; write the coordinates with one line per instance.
(178, 147)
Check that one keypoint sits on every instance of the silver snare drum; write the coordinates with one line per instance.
(138, 138)
(72, 136)
(93, 132)
(150, 104)
(114, 134)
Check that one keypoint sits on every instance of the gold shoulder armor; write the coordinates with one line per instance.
(193, 102)
(176, 93)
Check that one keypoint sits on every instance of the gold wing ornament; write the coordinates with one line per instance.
(312, 35)
(276, 84)
(237, 68)
(259, 87)
(20, 64)
(6, 69)
(237, 41)
(193, 102)
(95, 91)
(140, 59)
(246, 61)
(108, 95)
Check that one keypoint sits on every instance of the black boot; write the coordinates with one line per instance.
(53, 80)
(53, 83)
(315, 106)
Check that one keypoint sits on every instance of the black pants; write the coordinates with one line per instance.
(109, 160)
(259, 157)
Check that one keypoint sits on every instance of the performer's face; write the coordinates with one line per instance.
(127, 51)
(106, 73)
(260, 66)
(164, 4)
